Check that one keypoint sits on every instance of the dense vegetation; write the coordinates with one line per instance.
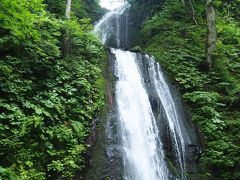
(176, 34)
(48, 98)
(51, 84)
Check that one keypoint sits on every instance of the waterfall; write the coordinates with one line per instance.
(170, 109)
(110, 28)
(163, 92)
(143, 153)
(140, 132)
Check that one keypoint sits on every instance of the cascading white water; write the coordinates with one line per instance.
(143, 154)
(104, 29)
(144, 157)
(163, 92)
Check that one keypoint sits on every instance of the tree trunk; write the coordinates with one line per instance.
(66, 39)
(212, 32)
(191, 9)
(68, 9)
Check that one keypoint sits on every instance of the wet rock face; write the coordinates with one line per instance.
(136, 17)
(118, 35)
(124, 29)
(137, 14)
(191, 148)
(106, 156)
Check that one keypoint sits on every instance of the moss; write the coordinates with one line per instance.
(172, 168)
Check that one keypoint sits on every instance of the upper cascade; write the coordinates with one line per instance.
(112, 29)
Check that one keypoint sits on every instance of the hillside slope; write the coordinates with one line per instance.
(48, 98)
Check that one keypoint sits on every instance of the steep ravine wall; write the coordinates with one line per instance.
(105, 159)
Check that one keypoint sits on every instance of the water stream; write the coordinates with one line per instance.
(147, 119)
(143, 153)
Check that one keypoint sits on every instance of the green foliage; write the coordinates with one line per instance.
(18, 18)
(136, 49)
(227, 60)
(81, 8)
(228, 8)
(204, 106)
(202, 98)
(82, 41)
(47, 102)
(177, 43)
(7, 173)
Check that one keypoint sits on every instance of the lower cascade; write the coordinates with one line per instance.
(147, 134)
(143, 153)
